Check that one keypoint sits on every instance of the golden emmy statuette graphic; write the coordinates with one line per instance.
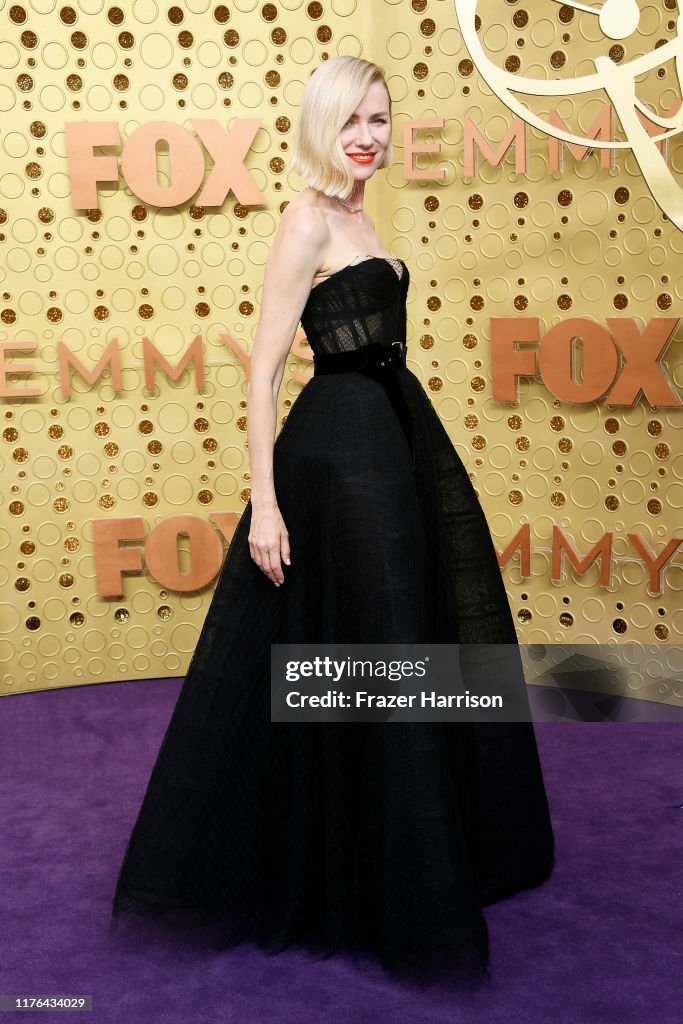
(617, 19)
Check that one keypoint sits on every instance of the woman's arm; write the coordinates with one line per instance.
(293, 260)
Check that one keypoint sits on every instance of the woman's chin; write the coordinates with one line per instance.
(362, 173)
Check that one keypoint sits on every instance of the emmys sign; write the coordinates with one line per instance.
(617, 19)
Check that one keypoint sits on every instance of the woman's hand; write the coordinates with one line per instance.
(269, 541)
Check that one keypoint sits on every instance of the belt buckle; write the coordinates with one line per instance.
(396, 350)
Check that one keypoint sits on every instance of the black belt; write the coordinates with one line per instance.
(379, 362)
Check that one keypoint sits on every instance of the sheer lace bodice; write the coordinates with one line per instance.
(362, 303)
(396, 263)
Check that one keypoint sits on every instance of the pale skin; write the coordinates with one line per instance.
(315, 237)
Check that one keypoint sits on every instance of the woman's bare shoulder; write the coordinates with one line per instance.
(301, 238)
(303, 218)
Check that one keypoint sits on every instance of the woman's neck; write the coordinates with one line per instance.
(357, 196)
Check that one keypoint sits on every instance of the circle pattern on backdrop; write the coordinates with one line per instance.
(584, 242)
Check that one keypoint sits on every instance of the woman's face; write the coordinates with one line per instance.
(366, 135)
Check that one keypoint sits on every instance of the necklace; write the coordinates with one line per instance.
(356, 209)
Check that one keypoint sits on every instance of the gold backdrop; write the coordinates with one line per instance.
(585, 241)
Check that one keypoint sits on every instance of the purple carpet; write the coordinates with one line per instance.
(595, 943)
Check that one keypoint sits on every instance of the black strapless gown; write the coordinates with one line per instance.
(384, 839)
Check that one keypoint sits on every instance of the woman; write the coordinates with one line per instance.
(362, 526)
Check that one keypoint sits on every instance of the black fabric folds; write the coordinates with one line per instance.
(382, 839)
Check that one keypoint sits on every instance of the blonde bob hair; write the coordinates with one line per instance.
(332, 93)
